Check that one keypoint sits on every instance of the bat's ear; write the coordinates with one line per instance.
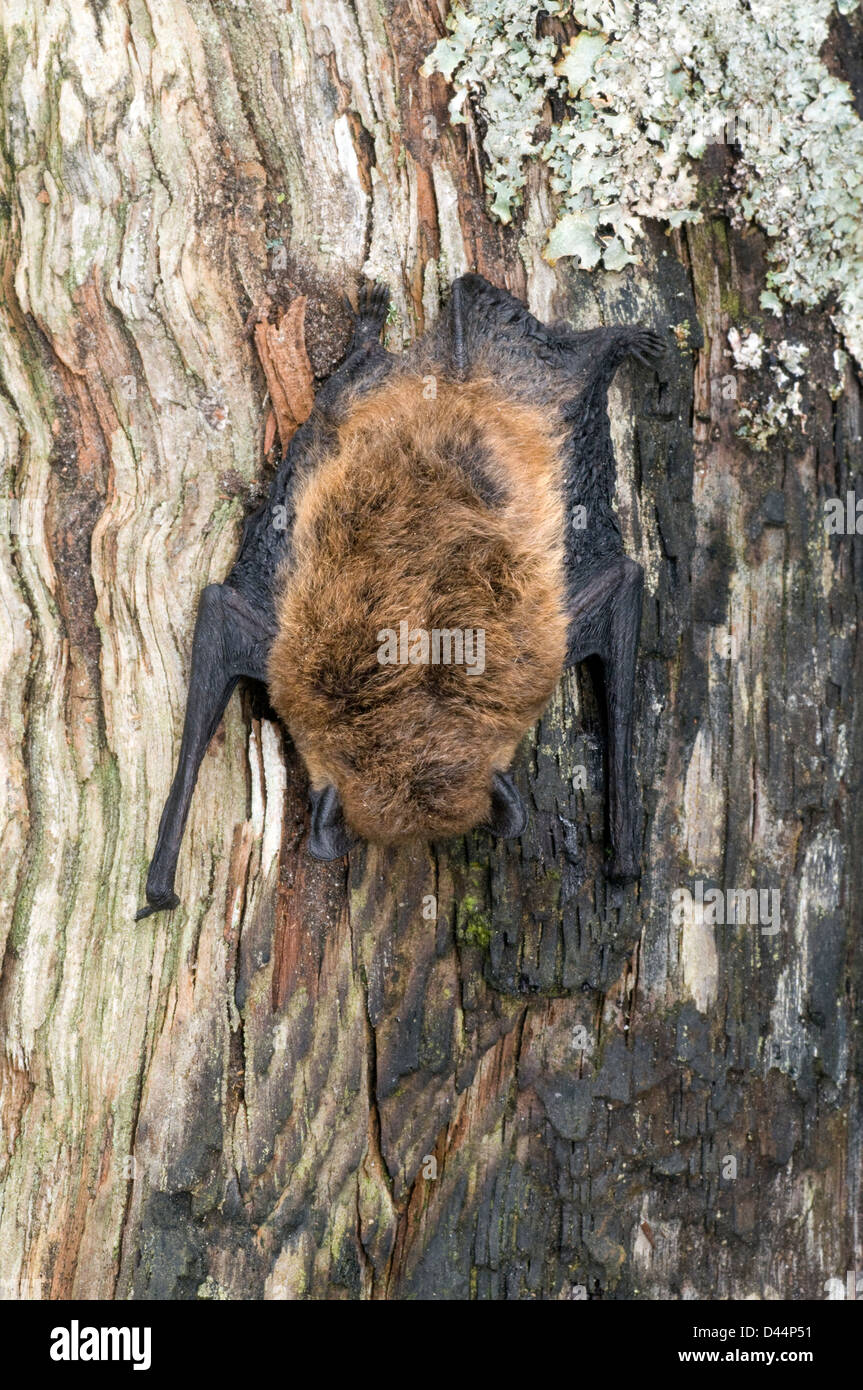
(328, 836)
(508, 812)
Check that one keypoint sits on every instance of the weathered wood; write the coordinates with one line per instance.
(473, 1070)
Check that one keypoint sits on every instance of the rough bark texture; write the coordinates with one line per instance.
(302, 1084)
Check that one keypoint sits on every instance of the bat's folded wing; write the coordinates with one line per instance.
(232, 639)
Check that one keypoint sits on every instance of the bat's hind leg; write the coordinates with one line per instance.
(231, 640)
(605, 622)
(481, 311)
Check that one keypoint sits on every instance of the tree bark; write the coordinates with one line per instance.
(473, 1070)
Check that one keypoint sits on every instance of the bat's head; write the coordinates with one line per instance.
(433, 803)
(398, 751)
(421, 623)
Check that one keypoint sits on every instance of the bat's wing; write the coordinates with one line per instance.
(231, 640)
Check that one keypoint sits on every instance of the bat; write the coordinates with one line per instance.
(439, 543)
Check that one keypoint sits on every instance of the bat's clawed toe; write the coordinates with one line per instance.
(379, 297)
(373, 306)
(647, 347)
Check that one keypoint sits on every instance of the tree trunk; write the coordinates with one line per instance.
(475, 1070)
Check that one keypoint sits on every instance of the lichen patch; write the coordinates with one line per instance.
(644, 90)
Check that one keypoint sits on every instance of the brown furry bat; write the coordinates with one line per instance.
(413, 618)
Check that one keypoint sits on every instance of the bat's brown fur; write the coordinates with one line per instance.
(447, 513)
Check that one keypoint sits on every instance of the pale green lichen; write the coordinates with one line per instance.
(746, 353)
(493, 51)
(761, 422)
(644, 90)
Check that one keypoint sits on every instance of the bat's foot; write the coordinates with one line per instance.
(163, 904)
(623, 868)
(646, 347)
(370, 315)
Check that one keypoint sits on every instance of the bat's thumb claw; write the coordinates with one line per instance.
(166, 904)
